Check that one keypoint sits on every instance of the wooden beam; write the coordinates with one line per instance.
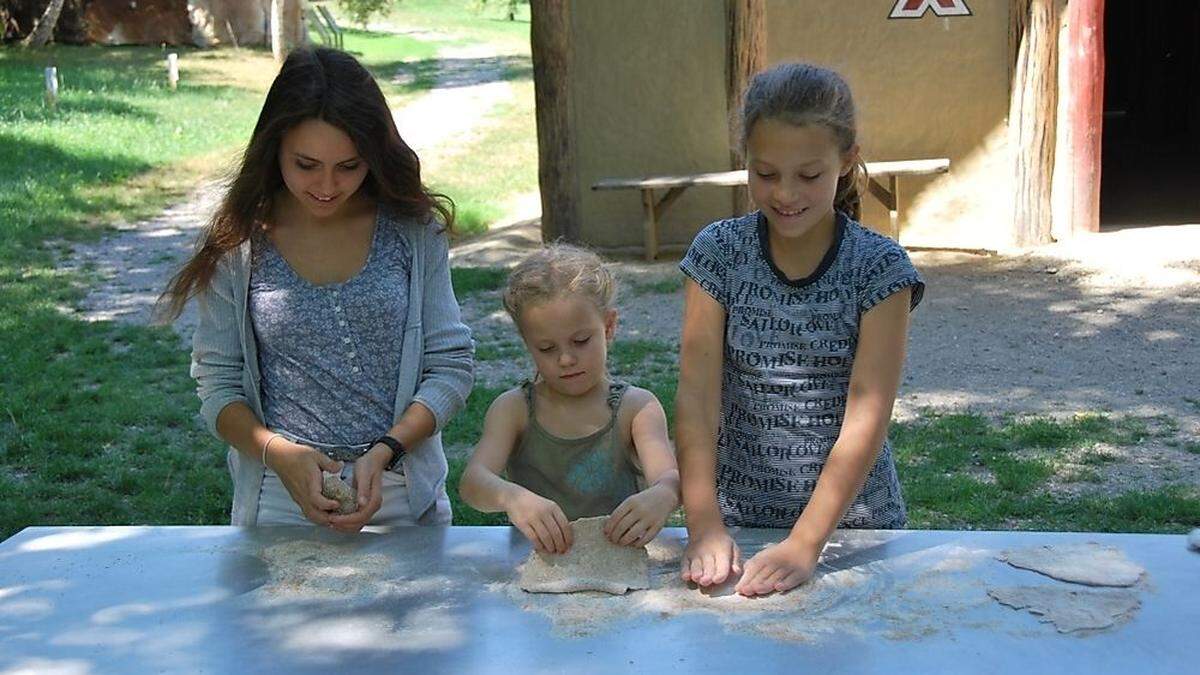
(747, 54)
(885, 196)
(908, 167)
(1085, 35)
(550, 33)
(1033, 108)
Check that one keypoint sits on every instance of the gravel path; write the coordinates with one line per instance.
(470, 81)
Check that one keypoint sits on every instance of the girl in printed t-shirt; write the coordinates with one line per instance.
(572, 442)
(793, 341)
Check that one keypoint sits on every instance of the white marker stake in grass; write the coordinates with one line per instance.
(52, 87)
(173, 70)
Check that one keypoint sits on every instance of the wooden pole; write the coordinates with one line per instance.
(550, 32)
(51, 76)
(747, 47)
(1085, 35)
(649, 226)
(1032, 117)
(173, 70)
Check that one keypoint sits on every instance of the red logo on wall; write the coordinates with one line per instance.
(915, 9)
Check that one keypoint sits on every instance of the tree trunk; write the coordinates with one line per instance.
(294, 34)
(551, 47)
(278, 41)
(40, 35)
(747, 39)
(1032, 118)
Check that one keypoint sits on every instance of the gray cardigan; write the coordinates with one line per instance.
(436, 364)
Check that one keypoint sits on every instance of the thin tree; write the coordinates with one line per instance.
(278, 46)
(44, 28)
(747, 39)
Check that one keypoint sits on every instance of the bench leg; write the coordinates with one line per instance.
(894, 212)
(649, 226)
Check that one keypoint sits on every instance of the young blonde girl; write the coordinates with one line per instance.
(793, 341)
(572, 442)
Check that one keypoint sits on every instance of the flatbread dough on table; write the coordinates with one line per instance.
(1088, 563)
(1068, 609)
(592, 564)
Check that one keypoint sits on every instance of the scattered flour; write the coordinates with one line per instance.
(313, 570)
(835, 603)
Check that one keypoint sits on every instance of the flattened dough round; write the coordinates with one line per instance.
(592, 564)
(1070, 610)
(1088, 563)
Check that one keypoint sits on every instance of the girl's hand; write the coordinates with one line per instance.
(541, 521)
(640, 517)
(368, 481)
(299, 468)
(711, 555)
(778, 568)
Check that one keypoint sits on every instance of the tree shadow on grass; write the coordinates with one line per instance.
(42, 187)
(98, 105)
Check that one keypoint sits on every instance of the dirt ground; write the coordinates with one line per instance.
(1105, 323)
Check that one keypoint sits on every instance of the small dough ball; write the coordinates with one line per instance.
(333, 487)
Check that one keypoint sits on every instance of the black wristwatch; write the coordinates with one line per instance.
(398, 450)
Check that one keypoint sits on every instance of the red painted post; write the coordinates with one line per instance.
(1085, 26)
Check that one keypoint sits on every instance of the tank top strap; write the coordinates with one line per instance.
(527, 387)
(616, 392)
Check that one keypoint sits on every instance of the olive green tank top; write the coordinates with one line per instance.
(587, 476)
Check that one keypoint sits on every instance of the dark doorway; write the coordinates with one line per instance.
(1150, 166)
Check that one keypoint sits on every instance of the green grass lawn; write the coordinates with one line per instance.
(98, 422)
(962, 471)
(466, 21)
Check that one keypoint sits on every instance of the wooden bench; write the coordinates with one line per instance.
(654, 207)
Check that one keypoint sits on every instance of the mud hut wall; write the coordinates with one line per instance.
(649, 99)
(926, 87)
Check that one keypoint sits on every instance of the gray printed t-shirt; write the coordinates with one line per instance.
(330, 355)
(789, 349)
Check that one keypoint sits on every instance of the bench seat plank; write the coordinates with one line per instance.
(675, 185)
